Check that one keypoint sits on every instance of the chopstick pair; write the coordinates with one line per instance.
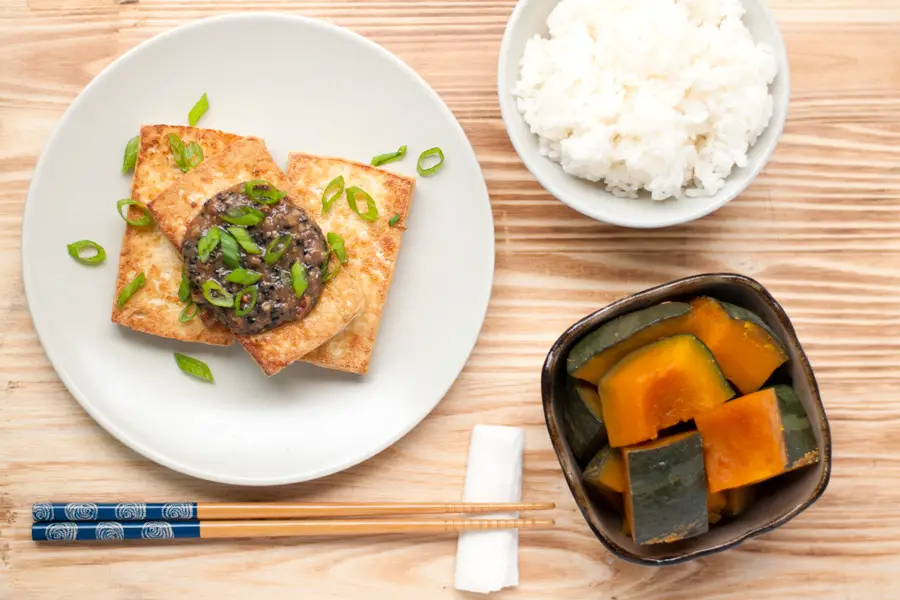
(206, 520)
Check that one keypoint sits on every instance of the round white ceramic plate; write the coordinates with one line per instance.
(302, 85)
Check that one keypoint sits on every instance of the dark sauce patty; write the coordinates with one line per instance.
(277, 302)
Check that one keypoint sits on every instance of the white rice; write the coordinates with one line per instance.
(659, 95)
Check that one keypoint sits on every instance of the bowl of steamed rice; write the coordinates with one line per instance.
(644, 113)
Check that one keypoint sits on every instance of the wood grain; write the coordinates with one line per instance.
(820, 228)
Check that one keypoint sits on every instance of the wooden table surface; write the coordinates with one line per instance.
(820, 228)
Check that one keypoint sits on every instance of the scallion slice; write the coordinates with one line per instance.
(177, 147)
(184, 288)
(425, 157)
(336, 245)
(263, 192)
(229, 250)
(383, 159)
(329, 272)
(75, 249)
(193, 156)
(199, 109)
(337, 249)
(192, 366)
(131, 152)
(187, 314)
(332, 192)
(243, 215)
(276, 248)
(243, 276)
(241, 307)
(186, 158)
(353, 193)
(216, 295)
(130, 288)
(243, 238)
(299, 278)
(143, 220)
(208, 243)
(394, 220)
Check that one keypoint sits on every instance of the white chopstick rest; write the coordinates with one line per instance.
(488, 561)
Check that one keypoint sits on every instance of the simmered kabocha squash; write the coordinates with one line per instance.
(598, 351)
(799, 439)
(738, 500)
(604, 477)
(659, 385)
(743, 441)
(716, 503)
(745, 348)
(583, 421)
(665, 489)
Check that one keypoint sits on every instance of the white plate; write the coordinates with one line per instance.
(301, 85)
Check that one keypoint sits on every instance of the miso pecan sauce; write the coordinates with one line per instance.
(277, 303)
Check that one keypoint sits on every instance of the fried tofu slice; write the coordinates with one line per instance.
(247, 159)
(155, 308)
(372, 247)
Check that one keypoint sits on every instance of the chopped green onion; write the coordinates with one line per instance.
(198, 110)
(145, 219)
(243, 215)
(337, 249)
(336, 245)
(192, 366)
(371, 213)
(426, 171)
(243, 238)
(193, 156)
(186, 313)
(298, 278)
(208, 243)
(216, 295)
(383, 159)
(131, 152)
(229, 250)
(336, 187)
(276, 248)
(240, 308)
(394, 220)
(243, 276)
(177, 147)
(185, 158)
(75, 249)
(327, 272)
(263, 192)
(184, 289)
(130, 288)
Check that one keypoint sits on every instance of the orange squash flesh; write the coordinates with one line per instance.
(716, 503)
(743, 441)
(658, 386)
(745, 351)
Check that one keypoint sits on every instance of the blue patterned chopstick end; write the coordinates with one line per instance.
(69, 531)
(113, 511)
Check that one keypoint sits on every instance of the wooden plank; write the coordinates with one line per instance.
(820, 228)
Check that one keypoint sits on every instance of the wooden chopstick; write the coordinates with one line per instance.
(214, 511)
(160, 530)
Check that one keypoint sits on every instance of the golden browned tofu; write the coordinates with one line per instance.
(244, 160)
(372, 246)
(155, 308)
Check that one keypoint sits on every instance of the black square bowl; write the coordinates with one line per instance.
(780, 499)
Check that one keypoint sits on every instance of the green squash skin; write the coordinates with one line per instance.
(619, 329)
(668, 490)
(583, 421)
(591, 478)
(742, 314)
(799, 440)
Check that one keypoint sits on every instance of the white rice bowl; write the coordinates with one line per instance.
(665, 96)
